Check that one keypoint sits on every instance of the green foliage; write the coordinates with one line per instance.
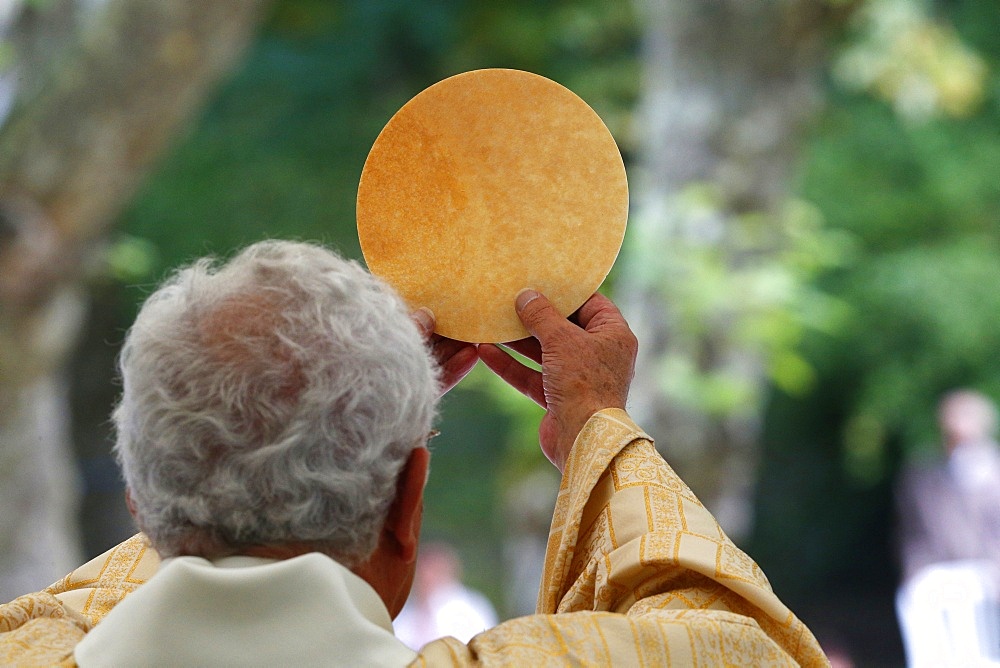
(8, 55)
(461, 498)
(924, 203)
(921, 200)
(130, 259)
(918, 64)
(927, 321)
(743, 284)
(522, 416)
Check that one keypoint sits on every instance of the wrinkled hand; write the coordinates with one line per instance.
(587, 365)
(455, 358)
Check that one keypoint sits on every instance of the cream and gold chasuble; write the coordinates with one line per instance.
(637, 573)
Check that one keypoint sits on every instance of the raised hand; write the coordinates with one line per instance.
(587, 365)
(456, 358)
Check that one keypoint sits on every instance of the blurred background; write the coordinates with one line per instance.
(812, 257)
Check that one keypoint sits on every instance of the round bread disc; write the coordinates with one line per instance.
(487, 183)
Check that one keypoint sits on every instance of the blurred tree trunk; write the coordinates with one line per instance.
(101, 86)
(728, 85)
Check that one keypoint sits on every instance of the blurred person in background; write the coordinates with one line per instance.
(439, 604)
(949, 512)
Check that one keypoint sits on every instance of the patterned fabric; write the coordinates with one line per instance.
(637, 573)
(628, 536)
(42, 629)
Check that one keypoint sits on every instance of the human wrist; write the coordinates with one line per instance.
(571, 427)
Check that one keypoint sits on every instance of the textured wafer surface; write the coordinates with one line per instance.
(484, 184)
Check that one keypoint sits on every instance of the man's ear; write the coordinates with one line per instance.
(406, 512)
(130, 502)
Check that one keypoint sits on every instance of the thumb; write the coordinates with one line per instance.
(538, 314)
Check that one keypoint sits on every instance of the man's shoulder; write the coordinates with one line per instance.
(94, 588)
(43, 628)
(38, 630)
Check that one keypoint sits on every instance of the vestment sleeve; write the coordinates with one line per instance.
(638, 572)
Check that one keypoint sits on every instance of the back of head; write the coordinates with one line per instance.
(271, 400)
(967, 416)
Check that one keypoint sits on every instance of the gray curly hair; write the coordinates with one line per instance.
(271, 400)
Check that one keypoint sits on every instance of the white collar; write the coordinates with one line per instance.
(308, 610)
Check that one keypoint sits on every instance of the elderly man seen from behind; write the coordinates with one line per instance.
(271, 433)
